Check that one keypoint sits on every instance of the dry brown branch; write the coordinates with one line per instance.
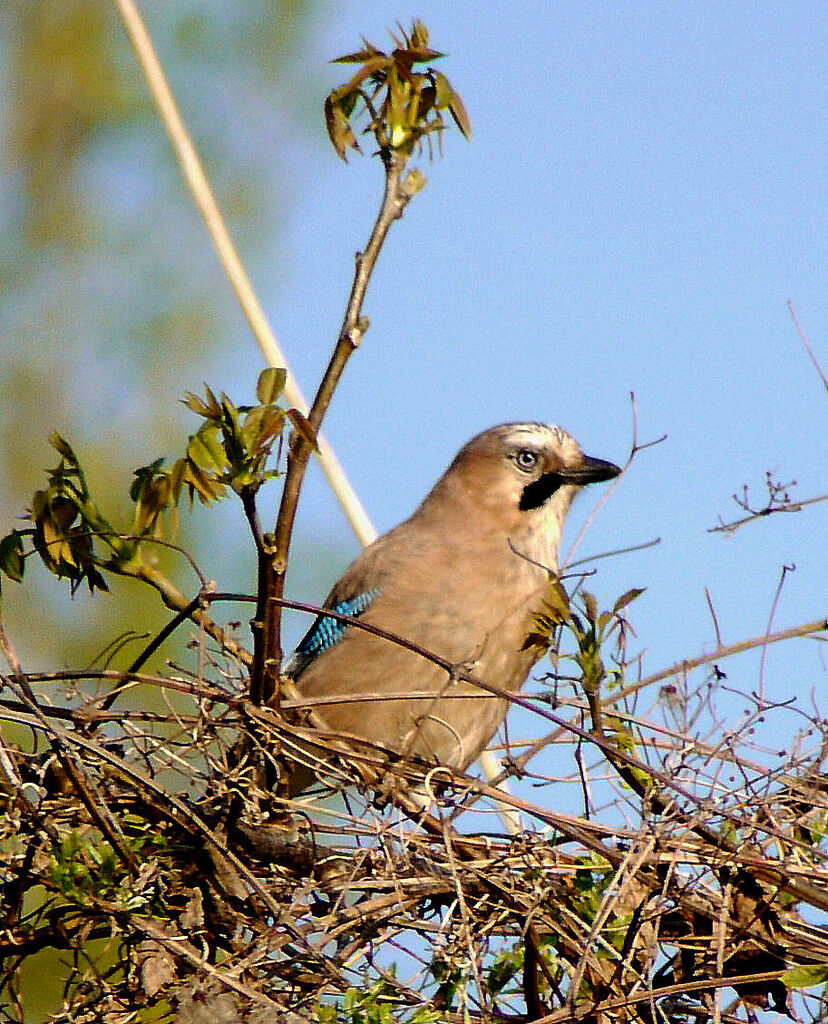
(621, 918)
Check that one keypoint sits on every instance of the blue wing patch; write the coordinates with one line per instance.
(326, 632)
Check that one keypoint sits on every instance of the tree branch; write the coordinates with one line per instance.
(266, 626)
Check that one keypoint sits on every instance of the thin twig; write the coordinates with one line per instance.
(763, 513)
(616, 551)
(267, 653)
(713, 616)
(635, 447)
(83, 785)
(804, 338)
(148, 651)
(785, 570)
(178, 602)
(688, 664)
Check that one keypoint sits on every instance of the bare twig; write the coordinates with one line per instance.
(713, 616)
(785, 570)
(616, 551)
(267, 623)
(763, 513)
(683, 667)
(178, 602)
(635, 447)
(778, 500)
(804, 338)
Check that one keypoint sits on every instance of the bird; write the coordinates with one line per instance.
(463, 578)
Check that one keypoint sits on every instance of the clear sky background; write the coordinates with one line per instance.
(644, 191)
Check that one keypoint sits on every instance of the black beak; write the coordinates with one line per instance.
(590, 471)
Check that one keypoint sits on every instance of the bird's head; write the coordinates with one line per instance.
(520, 479)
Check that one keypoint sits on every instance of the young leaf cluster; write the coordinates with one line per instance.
(589, 626)
(404, 106)
(372, 1005)
(231, 451)
(65, 522)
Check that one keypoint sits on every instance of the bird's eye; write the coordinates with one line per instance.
(526, 459)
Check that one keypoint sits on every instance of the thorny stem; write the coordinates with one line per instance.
(266, 626)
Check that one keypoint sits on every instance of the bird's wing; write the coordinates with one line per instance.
(327, 630)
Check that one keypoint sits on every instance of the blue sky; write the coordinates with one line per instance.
(644, 192)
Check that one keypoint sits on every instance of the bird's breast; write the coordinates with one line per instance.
(472, 610)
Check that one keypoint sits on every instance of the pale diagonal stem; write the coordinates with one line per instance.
(205, 201)
(202, 193)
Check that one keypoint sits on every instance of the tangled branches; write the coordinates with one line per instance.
(153, 850)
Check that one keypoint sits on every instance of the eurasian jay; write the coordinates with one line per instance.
(464, 578)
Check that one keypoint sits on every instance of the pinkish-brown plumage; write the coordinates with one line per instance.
(464, 577)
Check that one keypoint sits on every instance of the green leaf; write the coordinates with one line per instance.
(271, 384)
(805, 977)
(360, 56)
(339, 130)
(503, 970)
(371, 67)
(627, 598)
(427, 101)
(230, 414)
(206, 450)
(208, 407)
(144, 477)
(261, 424)
(63, 448)
(418, 37)
(557, 599)
(203, 484)
(461, 116)
(11, 556)
(446, 96)
(417, 55)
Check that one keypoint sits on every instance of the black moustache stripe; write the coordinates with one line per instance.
(540, 491)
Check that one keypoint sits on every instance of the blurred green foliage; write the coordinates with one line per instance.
(112, 302)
